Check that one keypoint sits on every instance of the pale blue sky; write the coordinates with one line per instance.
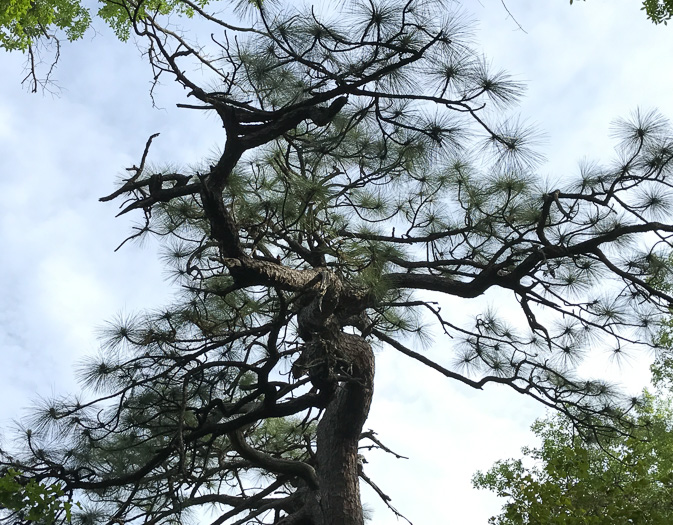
(584, 66)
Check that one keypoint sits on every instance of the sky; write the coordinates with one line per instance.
(60, 279)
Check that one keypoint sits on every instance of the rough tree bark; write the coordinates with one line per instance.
(339, 434)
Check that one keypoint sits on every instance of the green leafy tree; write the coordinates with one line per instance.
(33, 26)
(35, 502)
(572, 480)
(368, 170)
(659, 11)
(24, 21)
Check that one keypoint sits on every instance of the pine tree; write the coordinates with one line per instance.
(369, 170)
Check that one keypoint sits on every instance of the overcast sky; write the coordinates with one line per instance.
(584, 66)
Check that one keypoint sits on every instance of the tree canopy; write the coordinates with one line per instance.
(33, 26)
(659, 11)
(369, 169)
(619, 479)
(23, 23)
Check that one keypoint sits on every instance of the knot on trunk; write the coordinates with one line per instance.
(323, 295)
(336, 358)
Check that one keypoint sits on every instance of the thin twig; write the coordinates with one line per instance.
(371, 435)
(512, 16)
(386, 499)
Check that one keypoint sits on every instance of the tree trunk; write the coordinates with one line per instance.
(338, 437)
(341, 366)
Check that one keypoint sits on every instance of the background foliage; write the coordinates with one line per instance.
(579, 479)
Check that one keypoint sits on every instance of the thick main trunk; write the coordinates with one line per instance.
(341, 367)
(338, 436)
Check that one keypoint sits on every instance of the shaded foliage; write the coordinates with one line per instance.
(32, 501)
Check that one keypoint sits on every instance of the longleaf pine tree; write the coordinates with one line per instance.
(368, 170)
